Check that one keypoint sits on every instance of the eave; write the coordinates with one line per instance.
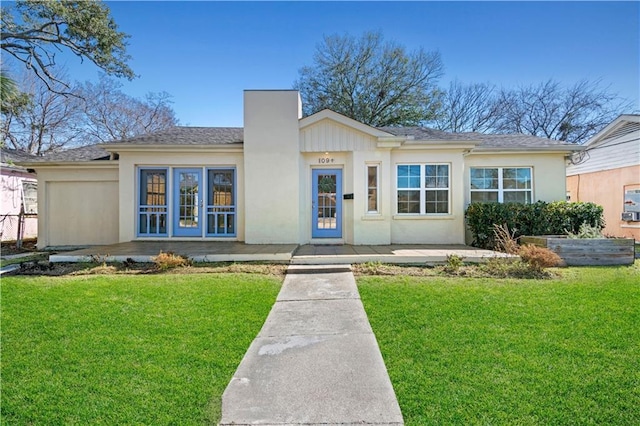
(119, 148)
(94, 164)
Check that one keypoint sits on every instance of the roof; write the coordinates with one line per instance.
(8, 155)
(518, 140)
(204, 136)
(623, 125)
(181, 135)
(83, 153)
(425, 134)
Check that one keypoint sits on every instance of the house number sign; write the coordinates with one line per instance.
(325, 160)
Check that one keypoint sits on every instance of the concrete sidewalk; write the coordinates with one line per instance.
(315, 361)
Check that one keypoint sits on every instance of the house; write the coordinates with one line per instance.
(282, 178)
(19, 204)
(607, 172)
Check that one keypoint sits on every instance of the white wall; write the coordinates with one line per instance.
(272, 166)
(430, 229)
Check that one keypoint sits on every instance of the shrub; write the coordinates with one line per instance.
(169, 260)
(586, 231)
(538, 258)
(539, 218)
(504, 240)
(501, 267)
(454, 263)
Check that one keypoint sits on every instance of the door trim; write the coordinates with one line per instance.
(195, 231)
(316, 231)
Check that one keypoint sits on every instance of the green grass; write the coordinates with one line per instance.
(153, 349)
(525, 352)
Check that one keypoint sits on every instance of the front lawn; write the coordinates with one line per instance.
(488, 351)
(147, 349)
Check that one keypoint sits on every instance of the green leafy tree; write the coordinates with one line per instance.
(375, 82)
(33, 31)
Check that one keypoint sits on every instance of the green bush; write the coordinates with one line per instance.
(541, 218)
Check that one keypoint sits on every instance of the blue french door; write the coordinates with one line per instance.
(187, 202)
(326, 215)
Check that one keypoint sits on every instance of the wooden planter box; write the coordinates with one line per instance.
(582, 252)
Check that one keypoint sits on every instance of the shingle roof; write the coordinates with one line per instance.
(14, 155)
(181, 135)
(425, 134)
(83, 153)
(486, 140)
(516, 140)
(198, 136)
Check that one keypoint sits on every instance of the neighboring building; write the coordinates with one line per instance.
(607, 173)
(19, 203)
(322, 179)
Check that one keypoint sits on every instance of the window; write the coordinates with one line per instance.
(372, 189)
(423, 189)
(152, 204)
(30, 197)
(501, 185)
(221, 205)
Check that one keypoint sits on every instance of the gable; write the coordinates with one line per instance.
(329, 135)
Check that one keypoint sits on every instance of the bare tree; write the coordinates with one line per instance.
(469, 108)
(372, 81)
(549, 110)
(40, 120)
(109, 114)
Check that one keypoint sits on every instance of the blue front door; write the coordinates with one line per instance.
(188, 203)
(326, 216)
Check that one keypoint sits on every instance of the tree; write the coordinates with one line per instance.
(549, 110)
(372, 81)
(39, 120)
(109, 114)
(43, 120)
(33, 30)
(468, 108)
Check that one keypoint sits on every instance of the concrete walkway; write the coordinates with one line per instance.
(315, 361)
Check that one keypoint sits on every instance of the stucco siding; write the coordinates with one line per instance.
(430, 229)
(607, 189)
(271, 166)
(549, 179)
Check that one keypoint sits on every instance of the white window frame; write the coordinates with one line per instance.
(367, 188)
(501, 190)
(423, 190)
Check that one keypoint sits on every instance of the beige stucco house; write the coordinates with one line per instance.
(282, 178)
(607, 172)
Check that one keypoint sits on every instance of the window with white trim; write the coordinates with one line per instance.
(423, 189)
(501, 184)
(372, 188)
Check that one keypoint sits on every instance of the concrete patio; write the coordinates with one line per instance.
(229, 251)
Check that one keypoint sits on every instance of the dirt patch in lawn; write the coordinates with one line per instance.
(11, 247)
(44, 267)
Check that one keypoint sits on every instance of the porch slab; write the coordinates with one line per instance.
(425, 254)
(198, 251)
(233, 251)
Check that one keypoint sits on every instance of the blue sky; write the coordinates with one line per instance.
(206, 53)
